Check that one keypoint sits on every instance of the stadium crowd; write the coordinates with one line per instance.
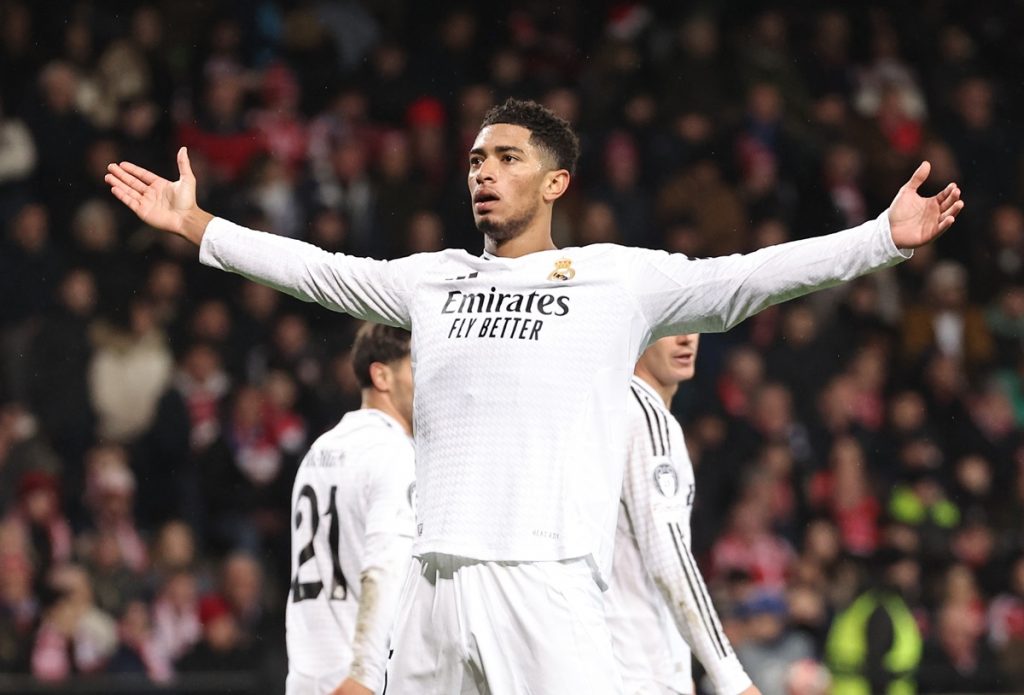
(152, 411)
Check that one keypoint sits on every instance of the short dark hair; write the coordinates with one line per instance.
(376, 342)
(547, 130)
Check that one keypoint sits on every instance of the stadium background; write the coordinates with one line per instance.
(152, 411)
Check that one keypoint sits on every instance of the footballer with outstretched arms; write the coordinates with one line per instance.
(522, 356)
(352, 529)
(659, 610)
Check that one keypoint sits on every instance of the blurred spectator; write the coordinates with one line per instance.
(110, 497)
(17, 161)
(37, 511)
(203, 384)
(61, 133)
(748, 545)
(60, 355)
(946, 321)
(807, 677)
(957, 659)
(280, 123)
(769, 648)
(19, 605)
(622, 189)
(1006, 623)
(986, 151)
(138, 651)
(75, 636)
(225, 647)
(845, 492)
(219, 132)
(176, 614)
(874, 644)
(114, 583)
(700, 193)
(30, 265)
(130, 368)
(22, 451)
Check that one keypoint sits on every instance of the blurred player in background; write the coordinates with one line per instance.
(656, 597)
(353, 528)
(522, 355)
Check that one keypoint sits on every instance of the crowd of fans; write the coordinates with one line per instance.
(152, 411)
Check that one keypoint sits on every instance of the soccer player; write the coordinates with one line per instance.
(353, 529)
(656, 598)
(522, 358)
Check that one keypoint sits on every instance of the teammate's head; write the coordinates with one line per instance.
(380, 358)
(520, 164)
(669, 361)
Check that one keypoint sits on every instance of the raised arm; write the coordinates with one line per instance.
(682, 295)
(366, 288)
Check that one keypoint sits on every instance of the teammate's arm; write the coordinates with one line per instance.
(388, 548)
(663, 537)
(681, 295)
(367, 289)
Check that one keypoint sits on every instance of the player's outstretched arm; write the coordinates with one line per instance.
(159, 202)
(914, 220)
(365, 288)
(683, 295)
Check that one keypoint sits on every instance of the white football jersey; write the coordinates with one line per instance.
(656, 597)
(351, 514)
(521, 365)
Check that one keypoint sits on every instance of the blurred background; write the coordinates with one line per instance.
(152, 411)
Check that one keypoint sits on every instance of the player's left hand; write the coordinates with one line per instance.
(916, 221)
(752, 690)
(352, 687)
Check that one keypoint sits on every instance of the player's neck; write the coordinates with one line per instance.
(535, 238)
(382, 402)
(666, 391)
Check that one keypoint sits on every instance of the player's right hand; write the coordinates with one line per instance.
(352, 687)
(157, 201)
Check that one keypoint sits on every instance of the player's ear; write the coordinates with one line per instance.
(556, 183)
(380, 375)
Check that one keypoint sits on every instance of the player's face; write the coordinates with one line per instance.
(673, 359)
(401, 387)
(506, 177)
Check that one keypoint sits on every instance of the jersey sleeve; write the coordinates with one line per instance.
(390, 529)
(660, 524)
(679, 295)
(363, 287)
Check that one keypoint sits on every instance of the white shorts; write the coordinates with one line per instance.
(466, 627)
(298, 684)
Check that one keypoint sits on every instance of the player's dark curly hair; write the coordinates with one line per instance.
(376, 342)
(547, 130)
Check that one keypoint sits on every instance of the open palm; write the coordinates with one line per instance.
(157, 201)
(915, 220)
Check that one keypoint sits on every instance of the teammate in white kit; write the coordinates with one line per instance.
(656, 598)
(522, 358)
(353, 528)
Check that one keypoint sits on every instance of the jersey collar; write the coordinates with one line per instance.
(648, 389)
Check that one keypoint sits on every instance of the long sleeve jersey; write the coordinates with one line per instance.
(657, 604)
(352, 530)
(521, 364)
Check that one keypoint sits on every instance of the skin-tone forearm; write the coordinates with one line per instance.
(194, 225)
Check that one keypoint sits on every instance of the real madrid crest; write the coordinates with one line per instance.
(563, 270)
(666, 480)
